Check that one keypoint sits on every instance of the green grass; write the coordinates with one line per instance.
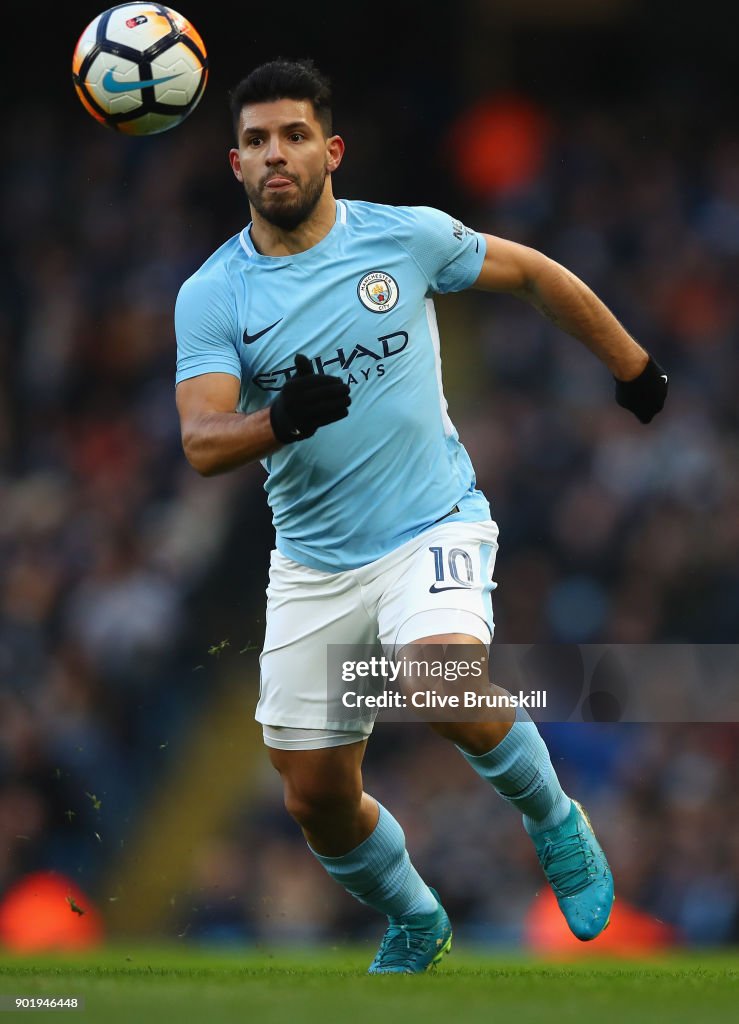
(176, 985)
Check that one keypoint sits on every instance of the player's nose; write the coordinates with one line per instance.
(274, 154)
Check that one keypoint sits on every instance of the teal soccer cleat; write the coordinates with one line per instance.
(578, 872)
(416, 945)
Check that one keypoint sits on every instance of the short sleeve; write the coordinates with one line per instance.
(206, 328)
(449, 254)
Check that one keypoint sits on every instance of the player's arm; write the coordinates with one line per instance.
(216, 437)
(641, 384)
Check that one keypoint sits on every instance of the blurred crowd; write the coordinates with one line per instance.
(106, 534)
(120, 568)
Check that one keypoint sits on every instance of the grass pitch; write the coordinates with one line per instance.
(176, 985)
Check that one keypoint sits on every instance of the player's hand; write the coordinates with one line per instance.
(644, 395)
(306, 402)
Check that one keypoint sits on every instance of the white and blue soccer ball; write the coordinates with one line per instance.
(140, 68)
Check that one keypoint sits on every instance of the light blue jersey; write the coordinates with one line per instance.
(359, 305)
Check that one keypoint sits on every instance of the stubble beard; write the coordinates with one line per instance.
(288, 213)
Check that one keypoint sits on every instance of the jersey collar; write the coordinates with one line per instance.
(299, 257)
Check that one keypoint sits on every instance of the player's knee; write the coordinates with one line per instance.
(311, 803)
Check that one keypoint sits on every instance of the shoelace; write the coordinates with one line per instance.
(397, 943)
(569, 864)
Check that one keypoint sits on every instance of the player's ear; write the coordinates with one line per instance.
(234, 160)
(334, 152)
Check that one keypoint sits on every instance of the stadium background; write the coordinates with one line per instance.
(131, 591)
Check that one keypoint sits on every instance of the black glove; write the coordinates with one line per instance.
(645, 395)
(306, 402)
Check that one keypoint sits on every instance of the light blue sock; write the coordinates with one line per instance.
(520, 769)
(379, 872)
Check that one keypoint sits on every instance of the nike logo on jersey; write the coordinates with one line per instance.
(664, 377)
(114, 85)
(249, 338)
(438, 590)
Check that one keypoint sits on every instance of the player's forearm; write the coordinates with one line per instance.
(216, 442)
(568, 302)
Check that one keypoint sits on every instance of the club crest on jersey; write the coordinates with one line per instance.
(378, 291)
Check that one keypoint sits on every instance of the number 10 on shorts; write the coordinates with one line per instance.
(459, 565)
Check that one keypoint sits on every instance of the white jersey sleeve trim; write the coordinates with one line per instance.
(434, 332)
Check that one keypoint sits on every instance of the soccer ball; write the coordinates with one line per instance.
(140, 68)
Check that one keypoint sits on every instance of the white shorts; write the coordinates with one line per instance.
(439, 582)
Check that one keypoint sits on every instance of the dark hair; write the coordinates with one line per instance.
(284, 80)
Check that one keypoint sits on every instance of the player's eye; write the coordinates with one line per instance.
(296, 137)
(254, 141)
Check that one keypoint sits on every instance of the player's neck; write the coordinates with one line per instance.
(270, 240)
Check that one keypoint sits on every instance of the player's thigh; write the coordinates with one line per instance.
(307, 612)
(441, 585)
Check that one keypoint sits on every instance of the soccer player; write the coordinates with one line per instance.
(309, 341)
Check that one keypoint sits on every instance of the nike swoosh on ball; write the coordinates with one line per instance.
(112, 84)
